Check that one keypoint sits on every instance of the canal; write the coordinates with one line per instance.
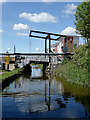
(38, 96)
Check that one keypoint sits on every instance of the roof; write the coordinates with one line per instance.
(61, 38)
(70, 31)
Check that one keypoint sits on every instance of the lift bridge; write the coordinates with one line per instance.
(46, 58)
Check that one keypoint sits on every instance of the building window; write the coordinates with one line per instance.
(65, 41)
(70, 39)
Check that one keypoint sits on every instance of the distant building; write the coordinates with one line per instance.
(69, 41)
(54, 48)
(8, 61)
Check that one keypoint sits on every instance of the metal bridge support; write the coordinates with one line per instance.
(45, 45)
(44, 68)
(49, 47)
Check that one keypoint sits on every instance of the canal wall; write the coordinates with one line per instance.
(7, 78)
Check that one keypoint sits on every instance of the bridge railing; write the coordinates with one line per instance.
(39, 58)
(27, 60)
(54, 59)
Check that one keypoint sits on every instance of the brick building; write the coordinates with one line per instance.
(68, 42)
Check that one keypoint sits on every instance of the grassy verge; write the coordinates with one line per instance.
(3, 70)
(9, 74)
(76, 69)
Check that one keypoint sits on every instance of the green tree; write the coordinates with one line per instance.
(82, 17)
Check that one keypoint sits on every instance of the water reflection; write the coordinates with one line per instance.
(56, 98)
(36, 72)
(47, 102)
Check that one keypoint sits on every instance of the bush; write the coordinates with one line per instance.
(77, 69)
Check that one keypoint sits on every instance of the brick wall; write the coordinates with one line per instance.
(69, 43)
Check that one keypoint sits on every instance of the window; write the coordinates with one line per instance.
(65, 41)
(70, 39)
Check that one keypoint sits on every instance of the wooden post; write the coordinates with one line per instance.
(45, 93)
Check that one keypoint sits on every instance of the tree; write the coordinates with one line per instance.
(82, 17)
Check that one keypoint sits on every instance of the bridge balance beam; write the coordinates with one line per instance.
(45, 33)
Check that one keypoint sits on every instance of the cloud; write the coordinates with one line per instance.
(69, 31)
(37, 49)
(22, 34)
(69, 9)
(20, 26)
(1, 31)
(41, 17)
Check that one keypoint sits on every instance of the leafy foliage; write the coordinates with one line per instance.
(77, 69)
(81, 57)
(72, 48)
(82, 17)
(40, 66)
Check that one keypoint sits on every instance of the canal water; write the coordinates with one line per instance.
(38, 96)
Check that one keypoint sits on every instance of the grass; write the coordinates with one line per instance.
(9, 74)
(76, 69)
(72, 73)
(3, 70)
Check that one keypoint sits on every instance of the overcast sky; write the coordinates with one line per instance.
(18, 18)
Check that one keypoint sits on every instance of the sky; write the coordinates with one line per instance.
(18, 18)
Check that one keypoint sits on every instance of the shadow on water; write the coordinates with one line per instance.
(80, 94)
(37, 96)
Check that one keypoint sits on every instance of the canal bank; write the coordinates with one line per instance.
(77, 68)
(8, 77)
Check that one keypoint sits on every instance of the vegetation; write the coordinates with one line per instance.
(6, 75)
(77, 68)
(72, 48)
(40, 66)
(82, 17)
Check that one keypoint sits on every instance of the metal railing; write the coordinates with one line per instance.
(54, 60)
(39, 58)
